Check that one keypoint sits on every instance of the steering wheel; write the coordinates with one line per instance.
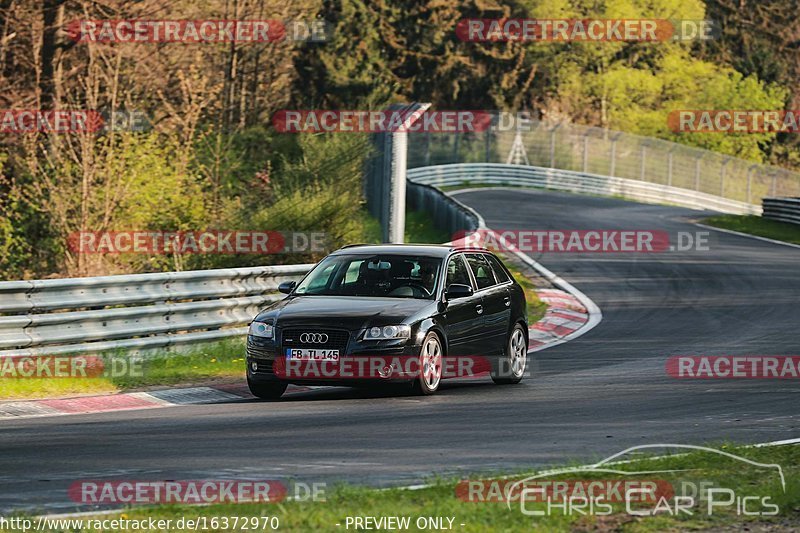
(418, 286)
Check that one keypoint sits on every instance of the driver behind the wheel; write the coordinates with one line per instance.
(428, 276)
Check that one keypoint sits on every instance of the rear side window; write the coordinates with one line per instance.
(484, 276)
(499, 272)
(457, 272)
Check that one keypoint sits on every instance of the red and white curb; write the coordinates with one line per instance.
(565, 316)
(130, 401)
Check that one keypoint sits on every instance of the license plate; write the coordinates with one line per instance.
(305, 354)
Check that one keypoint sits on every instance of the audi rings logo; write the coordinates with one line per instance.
(314, 338)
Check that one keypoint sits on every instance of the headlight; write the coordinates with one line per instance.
(388, 332)
(260, 329)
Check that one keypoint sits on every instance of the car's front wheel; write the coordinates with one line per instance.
(266, 391)
(430, 365)
(510, 368)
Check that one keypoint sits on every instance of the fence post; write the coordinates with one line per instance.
(722, 177)
(613, 165)
(427, 148)
(585, 151)
(669, 166)
(642, 163)
(553, 145)
(399, 174)
(749, 182)
(697, 173)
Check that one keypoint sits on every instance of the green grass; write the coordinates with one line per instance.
(755, 225)
(421, 229)
(441, 500)
(223, 359)
(20, 389)
(536, 307)
(201, 362)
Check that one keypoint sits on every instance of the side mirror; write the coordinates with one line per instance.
(457, 290)
(287, 287)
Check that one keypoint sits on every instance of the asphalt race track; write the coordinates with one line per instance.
(589, 398)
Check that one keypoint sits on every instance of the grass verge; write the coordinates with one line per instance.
(536, 307)
(421, 229)
(755, 225)
(199, 363)
(684, 473)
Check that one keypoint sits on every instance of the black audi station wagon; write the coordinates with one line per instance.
(391, 313)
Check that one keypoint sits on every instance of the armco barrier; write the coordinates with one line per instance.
(579, 182)
(447, 213)
(142, 311)
(782, 209)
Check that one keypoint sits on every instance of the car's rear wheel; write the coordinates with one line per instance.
(266, 391)
(510, 368)
(430, 365)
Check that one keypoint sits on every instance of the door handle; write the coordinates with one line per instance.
(507, 301)
(479, 309)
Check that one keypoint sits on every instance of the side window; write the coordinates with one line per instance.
(499, 272)
(482, 270)
(457, 272)
(351, 276)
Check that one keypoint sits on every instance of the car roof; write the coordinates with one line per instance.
(432, 250)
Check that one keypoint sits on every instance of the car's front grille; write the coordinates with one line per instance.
(324, 339)
(260, 352)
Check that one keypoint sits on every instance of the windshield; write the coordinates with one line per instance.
(391, 276)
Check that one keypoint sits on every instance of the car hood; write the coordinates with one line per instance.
(349, 312)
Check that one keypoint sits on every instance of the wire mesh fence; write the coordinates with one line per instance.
(607, 153)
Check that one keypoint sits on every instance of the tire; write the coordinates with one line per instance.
(266, 391)
(510, 368)
(431, 357)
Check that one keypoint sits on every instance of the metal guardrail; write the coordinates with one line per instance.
(447, 212)
(142, 311)
(782, 209)
(580, 182)
(603, 152)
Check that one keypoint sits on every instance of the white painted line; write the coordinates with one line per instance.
(777, 443)
(740, 234)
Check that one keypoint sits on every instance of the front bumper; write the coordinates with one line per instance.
(360, 362)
